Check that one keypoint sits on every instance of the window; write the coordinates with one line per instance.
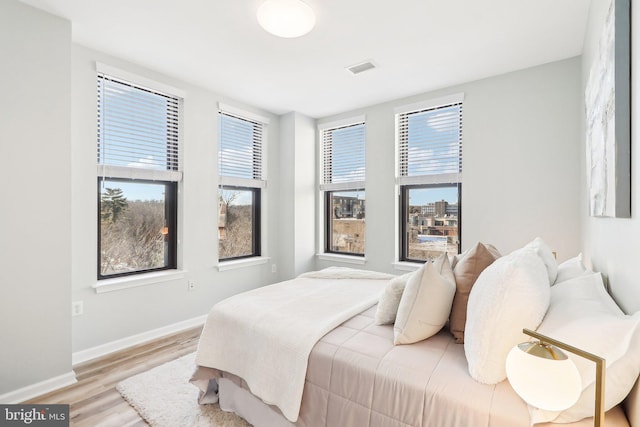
(238, 222)
(242, 180)
(431, 220)
(430, 179)
(342, 182)
(138, 171)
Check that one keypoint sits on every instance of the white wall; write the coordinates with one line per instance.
(297, 194)
(612, 245)
(35, 246)
(115, 315)
(520, 173)
(286, 195)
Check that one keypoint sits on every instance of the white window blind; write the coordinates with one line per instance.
(138, 132)
(240, 151)
(430, 145)
(343, 157)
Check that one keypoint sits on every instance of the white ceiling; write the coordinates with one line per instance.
(418, 45)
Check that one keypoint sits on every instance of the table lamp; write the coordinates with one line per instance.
(544, 377)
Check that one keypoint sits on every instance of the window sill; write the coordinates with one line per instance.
(126, 282)
(349, 259)
(242, 263)
(406, 266)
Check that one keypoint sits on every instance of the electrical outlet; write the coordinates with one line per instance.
(274, 268)
(77, 308)
(191, 285)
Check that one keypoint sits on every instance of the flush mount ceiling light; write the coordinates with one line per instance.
(286, 18)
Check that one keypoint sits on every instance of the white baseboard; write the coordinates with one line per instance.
(113, 346)
(43, 387)
(38, 389)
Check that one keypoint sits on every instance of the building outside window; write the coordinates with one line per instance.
(242, 181)
(431, 225)
(342, 185)
(138, 156)
(429, 141)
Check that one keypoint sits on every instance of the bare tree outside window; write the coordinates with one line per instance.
(133, 228)
(237, 235)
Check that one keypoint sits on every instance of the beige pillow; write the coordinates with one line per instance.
(466, 271)
(426, 302)
(390, 299)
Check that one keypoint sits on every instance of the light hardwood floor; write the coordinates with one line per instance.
(94, 400)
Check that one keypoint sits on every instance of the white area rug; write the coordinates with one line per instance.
(164, 398)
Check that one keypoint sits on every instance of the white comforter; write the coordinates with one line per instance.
(265, 335)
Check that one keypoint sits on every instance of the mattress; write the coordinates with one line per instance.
(357, 377)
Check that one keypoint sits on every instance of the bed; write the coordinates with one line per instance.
(354, 375)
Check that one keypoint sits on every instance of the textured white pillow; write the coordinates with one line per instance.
(571, 268)
(582, 314)
(426, 302)
(390, 299)
(509, 295)
(544, 252)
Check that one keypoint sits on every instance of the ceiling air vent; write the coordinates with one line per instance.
(361, 67)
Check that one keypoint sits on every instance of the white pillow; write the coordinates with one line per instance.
(426, 302)
(571, 268)
(453, 259)
(582, 314)
(544, 252)
(509, 295)
(390, 299)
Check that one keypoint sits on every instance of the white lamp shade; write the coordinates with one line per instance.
(547, 384)
(286, 18)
